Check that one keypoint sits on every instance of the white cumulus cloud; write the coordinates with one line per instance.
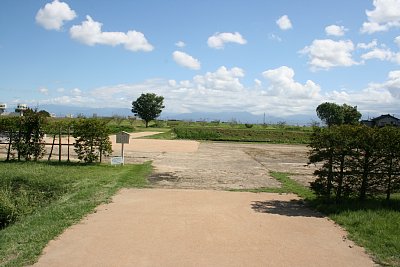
(378, 53)
(186, 60)
(335, 30)
(284, 23)
(53, 15)
(180, 44)
(90, 33)
(386, 15)
(327, 53)
(218, 40)
(369, 45)
(222, 80)
(382, 52)
(282, 83)
(223, 91)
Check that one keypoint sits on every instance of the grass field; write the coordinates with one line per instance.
(44, 199)
(373, 224)
(243, 134)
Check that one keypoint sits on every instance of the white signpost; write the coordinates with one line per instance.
(121, 138)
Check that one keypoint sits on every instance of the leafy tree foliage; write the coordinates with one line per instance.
(28, 139)
(44, 113)
(350, 114)
(334, 114)
(91, 139)
(356, 161)
(148, 107)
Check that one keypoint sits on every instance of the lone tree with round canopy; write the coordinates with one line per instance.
(148, 107)
(334, 114)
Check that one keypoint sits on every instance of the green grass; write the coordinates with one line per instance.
(287, 186)
(243, 134)
(166, 134)
(373, 224)
(64, 194)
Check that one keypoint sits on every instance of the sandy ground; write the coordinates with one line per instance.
(170, 227)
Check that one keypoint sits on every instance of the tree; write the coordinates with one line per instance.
(334, 114)
(350, 114)
(330, 113)
(44, 113)
(389, 144)
(148, 107)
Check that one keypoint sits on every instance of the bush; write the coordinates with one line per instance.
(28, 139)
(248, 125)
(91, 139)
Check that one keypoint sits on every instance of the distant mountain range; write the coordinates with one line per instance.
(240, 117)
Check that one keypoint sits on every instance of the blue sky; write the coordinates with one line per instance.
(279, 57)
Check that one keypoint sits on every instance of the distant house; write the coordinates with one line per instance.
(382, 120)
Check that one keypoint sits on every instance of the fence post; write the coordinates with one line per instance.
(9, 145)
(69, 133)
(59, 145)
(52, 146)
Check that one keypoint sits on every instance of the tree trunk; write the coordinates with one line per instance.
(389, 184)
(364, 182)
(340, 184)
(330, 176)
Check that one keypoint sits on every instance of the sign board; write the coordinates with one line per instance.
(117, 161)
(123, 138)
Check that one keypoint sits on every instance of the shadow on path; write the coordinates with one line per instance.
(287, 208)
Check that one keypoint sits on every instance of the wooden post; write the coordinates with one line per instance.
(59, 145)
(69, 133)
(9, 145)
(122, 154)
(52, 146)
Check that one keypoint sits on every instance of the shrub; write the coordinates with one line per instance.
(91, 139)
(28, 140)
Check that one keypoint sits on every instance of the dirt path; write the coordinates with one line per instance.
(164, 227)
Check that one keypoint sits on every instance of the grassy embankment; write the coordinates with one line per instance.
(216, 131)
(40, 200)
(211, 131)
(373, 224)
